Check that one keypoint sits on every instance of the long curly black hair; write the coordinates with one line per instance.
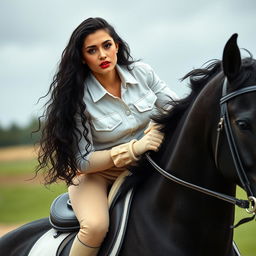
(58, 123)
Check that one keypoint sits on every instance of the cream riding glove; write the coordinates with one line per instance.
(150, 141)
(152, 126)
(128, 153)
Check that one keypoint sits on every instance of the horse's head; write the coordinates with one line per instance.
(240, 104)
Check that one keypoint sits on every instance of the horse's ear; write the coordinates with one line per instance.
(231, 59)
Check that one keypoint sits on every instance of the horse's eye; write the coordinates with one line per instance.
(243, 124)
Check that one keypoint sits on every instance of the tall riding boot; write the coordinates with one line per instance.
(80, 249)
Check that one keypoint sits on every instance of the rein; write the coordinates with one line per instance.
(230, 199)
(250, 204)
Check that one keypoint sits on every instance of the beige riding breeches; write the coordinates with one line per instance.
(89, 201)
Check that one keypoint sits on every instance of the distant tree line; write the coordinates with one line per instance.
(17, 135)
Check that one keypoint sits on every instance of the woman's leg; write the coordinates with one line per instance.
(90, 204)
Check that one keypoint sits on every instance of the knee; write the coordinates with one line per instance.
(92, 232)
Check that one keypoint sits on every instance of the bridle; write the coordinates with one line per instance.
(250, 204)
(230, 137)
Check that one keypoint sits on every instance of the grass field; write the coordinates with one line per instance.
(21, 204)
(17, 167)
(23, 200)
(245, 235)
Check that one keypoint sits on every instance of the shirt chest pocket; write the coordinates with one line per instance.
(107, 123)
(146, 103)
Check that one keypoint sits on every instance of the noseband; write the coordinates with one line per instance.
(250, 204)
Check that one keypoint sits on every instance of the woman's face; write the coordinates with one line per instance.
(100, 52)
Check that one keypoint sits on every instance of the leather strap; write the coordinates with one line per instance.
(230, 136)
(230, 199)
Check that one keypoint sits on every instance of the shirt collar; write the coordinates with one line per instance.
(97, 91)
(126, 76)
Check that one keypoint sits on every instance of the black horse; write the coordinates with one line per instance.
(167, 218)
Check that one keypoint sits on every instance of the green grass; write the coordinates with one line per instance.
(245, 239)
(20, 204)
(17, 167)
(24, 202)
(245, 235)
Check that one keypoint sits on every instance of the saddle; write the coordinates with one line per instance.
(63, 219)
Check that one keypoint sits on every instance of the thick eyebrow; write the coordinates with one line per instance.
(93, 46)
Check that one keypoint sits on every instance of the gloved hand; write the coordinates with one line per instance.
(150, 141)
(152, 126)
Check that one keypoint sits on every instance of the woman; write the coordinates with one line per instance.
(95, 123)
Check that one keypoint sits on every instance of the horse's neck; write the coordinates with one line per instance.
(191, 156)
(192, 159)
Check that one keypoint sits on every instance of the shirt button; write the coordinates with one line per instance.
(128, 112)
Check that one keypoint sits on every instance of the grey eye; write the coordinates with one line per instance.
(243, 124)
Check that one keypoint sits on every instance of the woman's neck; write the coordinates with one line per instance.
(111, 82)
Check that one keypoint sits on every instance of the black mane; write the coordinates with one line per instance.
(198, 78)
(247, 75)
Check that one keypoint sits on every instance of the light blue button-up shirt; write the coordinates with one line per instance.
(113, 120)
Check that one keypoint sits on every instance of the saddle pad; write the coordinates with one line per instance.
(48, 239)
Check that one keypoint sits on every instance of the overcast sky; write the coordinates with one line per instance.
(173, 36)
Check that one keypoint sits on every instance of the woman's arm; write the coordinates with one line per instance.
(90, 161)
(163, 92)
(121, 155)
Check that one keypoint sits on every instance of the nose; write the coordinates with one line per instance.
(102, 54)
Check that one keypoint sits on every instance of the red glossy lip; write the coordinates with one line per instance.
(105, 64)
